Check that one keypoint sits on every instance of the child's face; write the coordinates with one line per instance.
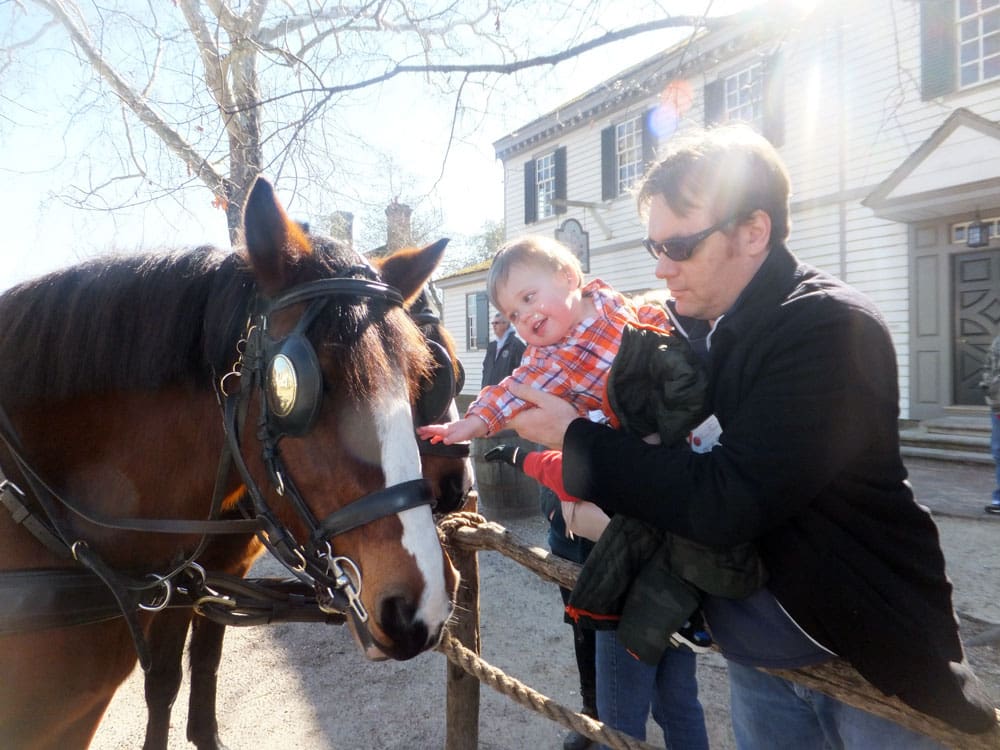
(543, 305)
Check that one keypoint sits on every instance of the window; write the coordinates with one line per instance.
(978, 41)
(754, 93)
(627, 148)
(477, 321)
(628, 152)
(744, 95)
(959, 45)
(544, 182)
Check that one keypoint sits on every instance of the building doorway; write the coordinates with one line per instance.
(976, 305)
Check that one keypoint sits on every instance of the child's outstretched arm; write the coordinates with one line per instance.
(454, 432)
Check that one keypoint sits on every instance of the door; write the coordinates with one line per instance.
(977, 319)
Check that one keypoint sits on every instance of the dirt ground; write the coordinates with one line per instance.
(307, 686)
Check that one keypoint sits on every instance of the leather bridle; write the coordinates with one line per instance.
(335, 578)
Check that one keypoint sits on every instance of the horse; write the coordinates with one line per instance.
(446, 467)
(151, 403)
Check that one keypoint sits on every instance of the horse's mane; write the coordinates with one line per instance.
(137, 323)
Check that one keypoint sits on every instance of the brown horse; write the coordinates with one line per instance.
(447, 468)
(111, 380)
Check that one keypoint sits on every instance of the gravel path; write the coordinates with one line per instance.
(306, 686)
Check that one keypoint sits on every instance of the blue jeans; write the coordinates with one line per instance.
(627, 689)
(995, 450)
(771, 713)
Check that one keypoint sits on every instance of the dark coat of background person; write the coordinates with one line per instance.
(496, 368)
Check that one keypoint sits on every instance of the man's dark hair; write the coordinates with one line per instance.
(730, 169)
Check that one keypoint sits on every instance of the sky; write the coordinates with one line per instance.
(42, 233)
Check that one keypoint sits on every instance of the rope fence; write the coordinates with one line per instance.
(467, 532)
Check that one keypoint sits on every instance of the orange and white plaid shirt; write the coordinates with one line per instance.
(575, 368)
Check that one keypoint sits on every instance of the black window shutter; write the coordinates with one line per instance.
(773, 92)
(649, 140)
(530, 193)
(938, 75)
(482, 321)
(609, 169)
(560, 186)
(715, 101)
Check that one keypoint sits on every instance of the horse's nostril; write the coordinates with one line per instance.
(397, 618)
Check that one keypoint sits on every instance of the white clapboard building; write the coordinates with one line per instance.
(886, 114)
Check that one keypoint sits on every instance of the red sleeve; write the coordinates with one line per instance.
(546, 467)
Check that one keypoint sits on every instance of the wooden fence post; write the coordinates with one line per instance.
(462, 729)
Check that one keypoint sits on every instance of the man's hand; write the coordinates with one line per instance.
(547, 422)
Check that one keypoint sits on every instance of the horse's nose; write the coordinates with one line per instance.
(397, 619)
(453, 491)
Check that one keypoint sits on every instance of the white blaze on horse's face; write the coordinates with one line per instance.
(401, 463)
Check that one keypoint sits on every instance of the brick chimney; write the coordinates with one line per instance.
(397, 226)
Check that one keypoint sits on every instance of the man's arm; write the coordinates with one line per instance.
(799, 413)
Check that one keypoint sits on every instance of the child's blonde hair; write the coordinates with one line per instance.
(534, 249)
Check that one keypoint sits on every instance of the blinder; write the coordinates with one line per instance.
(435, 399)
(293, 380)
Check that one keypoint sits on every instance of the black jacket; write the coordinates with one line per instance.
(496, 368)
(802, 377)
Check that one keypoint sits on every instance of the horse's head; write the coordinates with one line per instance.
(338, 363)
(446, 467)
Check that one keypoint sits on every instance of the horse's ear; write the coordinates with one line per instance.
(274, 242)
(409, 269)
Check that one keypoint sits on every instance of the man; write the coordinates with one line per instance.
(990, 383)
(804, 461)
(503, 354)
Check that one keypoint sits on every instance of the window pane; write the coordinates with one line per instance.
(991, 45)
(970, 29)
(991, 21)
(967, 8)
(990, 4)
(991, 67)
(970, 52)
(969, 74)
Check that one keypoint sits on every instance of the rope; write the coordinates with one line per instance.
(521, 693)
(471, 531)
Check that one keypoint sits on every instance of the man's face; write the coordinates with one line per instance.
(707, 284)
(500, 326)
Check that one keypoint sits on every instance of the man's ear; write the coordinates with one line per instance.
(757, 232)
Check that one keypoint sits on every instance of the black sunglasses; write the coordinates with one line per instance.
(682, 248)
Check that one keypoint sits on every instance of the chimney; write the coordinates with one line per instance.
(397, 226)
(342, 226)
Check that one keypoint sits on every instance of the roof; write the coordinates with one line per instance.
(483, 265)
(724, 37)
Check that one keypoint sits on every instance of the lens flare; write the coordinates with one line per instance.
(675, 102)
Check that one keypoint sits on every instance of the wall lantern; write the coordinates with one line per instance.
(978, 233)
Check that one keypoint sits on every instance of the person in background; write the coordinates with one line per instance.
(990, 383)
(503, 353)
(801, 456)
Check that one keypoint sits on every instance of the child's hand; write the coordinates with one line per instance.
(433, 432)
(453, 432)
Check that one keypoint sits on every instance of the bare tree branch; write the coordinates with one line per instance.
(174, 142)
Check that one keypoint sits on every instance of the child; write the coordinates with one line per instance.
(573, 331)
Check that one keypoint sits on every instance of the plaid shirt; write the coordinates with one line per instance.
(575, 368)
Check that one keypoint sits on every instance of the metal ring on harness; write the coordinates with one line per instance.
(163, 599)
